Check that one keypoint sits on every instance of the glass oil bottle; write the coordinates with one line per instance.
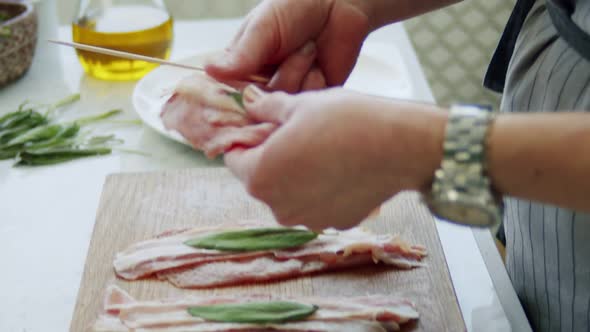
(140, 27)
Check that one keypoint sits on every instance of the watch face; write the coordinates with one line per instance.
(465, 214)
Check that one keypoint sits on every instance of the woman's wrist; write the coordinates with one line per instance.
(419, 131)
(429, 124)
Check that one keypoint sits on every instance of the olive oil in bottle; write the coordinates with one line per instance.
(135, 29)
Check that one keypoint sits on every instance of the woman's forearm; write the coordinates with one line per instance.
(383, 12)
(543, 157)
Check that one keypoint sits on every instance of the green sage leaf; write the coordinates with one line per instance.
(254, 239)
(62, 103)
(238, 97)
(63, 138)
(254, 312)
(102, 140)
(36, 134)
(20, 123)
(55, 156)
(99, 117)
(15, 119)
(9, 153)
(36, 139)
(9, 117)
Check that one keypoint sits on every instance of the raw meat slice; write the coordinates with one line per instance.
(168, 251)
(362, 313)
(169, 258)
(207, 114)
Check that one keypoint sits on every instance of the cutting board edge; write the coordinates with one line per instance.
(448, 273)
(79, 301)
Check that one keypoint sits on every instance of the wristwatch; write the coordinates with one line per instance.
(461, 191)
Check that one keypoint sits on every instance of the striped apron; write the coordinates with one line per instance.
(542, 64)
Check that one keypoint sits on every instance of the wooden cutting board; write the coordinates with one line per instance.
(136, 207)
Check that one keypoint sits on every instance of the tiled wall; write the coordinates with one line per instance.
(454, 44)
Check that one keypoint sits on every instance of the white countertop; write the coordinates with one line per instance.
(47, 214)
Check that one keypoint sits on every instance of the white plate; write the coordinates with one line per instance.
(380, 71)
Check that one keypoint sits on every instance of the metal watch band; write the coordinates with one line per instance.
(461, 191)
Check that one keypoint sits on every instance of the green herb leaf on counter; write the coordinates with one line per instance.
(9, 153)
(254, 239)
(36, 134)
(254, 312)
(62, 103)
(8, 120)
(61, 139)
(98, 117)
(50, 156)
(20, 118)
(135, 122)
(32, 136)
(19, 124)
(99, 140)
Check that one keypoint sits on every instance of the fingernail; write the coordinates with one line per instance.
(252, 93)
(308, 48)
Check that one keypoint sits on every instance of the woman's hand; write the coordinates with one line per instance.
(336, 155)
(308, 44)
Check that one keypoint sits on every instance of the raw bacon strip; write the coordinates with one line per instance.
(204, 112)
(364, 313)
(170, 259)
(109, 323)
(306, 326)
(226, 273)
(169, 251)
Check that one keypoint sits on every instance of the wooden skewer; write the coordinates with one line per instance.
(132, 56)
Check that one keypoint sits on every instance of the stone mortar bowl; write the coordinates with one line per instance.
(18, 37)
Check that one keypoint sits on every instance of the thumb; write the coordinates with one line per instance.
(242, 162)
(252, 50)
(273, 107)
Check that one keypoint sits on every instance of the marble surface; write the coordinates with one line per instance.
(47, 214)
